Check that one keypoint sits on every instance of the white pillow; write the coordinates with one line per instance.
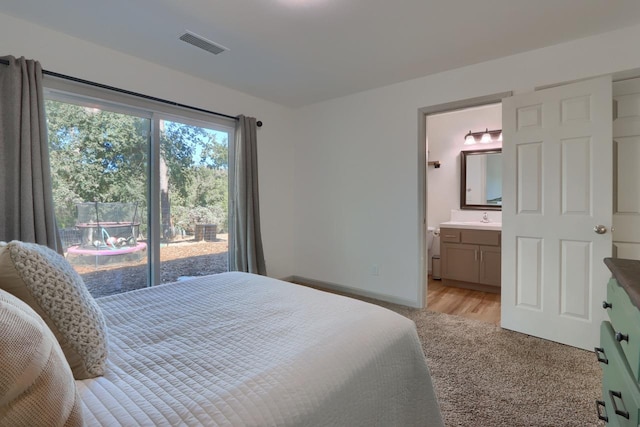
(36, 384)
(46, 281)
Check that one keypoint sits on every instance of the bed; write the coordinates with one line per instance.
(245, 350)
(232, 349)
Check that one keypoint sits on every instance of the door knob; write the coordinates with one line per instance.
(600, 229)
(622, 337)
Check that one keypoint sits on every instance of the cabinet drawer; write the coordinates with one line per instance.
(611, 418)
(619, 389)
(450, 235)
(625, 318)
(480, 237)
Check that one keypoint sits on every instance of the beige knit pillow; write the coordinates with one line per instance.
(46, 281)
(36, 384)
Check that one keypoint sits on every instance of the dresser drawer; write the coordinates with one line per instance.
(480, 237)
(610, 417)
(625, 318)
(620, 391)
(451, 235)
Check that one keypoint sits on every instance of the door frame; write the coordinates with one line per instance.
(422, 175)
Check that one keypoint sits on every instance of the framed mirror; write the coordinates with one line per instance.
(481, 179)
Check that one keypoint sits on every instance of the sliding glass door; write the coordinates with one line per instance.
(141, 198)
(194, 187)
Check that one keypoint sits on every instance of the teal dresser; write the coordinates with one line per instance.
(619, 351)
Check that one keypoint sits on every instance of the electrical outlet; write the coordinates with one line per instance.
(375, 270)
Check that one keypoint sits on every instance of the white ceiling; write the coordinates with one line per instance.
(297, 52)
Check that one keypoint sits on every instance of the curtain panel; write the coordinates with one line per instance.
(26, 205)
(245, 245)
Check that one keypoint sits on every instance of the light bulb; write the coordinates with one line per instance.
(486, 137)
(469, 139)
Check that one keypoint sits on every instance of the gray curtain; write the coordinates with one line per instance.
(26, 202)
(245, 245)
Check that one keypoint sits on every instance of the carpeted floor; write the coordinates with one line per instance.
(486, 376)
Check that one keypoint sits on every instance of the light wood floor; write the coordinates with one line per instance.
(476, 305)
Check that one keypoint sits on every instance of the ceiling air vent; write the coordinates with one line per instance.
(202, 43)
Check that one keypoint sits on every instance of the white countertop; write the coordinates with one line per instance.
(472, 225)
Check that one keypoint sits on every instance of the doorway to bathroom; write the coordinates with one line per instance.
(459, 198)
(540, 257)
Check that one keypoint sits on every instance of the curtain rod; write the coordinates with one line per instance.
(136, 94)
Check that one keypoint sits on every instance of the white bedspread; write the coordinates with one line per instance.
(244, 350)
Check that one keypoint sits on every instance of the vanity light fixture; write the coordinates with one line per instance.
(484, 137)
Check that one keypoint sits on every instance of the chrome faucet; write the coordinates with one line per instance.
(485, 217)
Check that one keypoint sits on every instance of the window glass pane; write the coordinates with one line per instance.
(99, 165)
(194, 183)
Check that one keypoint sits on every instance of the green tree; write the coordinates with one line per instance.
(102, 156)
(95, 156)
(185, 150)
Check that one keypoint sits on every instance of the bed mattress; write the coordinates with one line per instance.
(243, 350)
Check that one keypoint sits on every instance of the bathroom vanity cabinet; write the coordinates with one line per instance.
(471, 257)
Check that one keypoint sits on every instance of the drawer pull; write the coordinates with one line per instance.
(606, 305)
(622, 337)
(614, 395)
(600, 403)
(450, 236)
(602, 359)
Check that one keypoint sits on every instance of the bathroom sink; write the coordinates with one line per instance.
(477, 225)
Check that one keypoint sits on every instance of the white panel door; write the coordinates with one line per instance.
(557, 181)
(626, 178)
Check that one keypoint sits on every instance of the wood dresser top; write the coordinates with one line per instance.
(627, 273)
